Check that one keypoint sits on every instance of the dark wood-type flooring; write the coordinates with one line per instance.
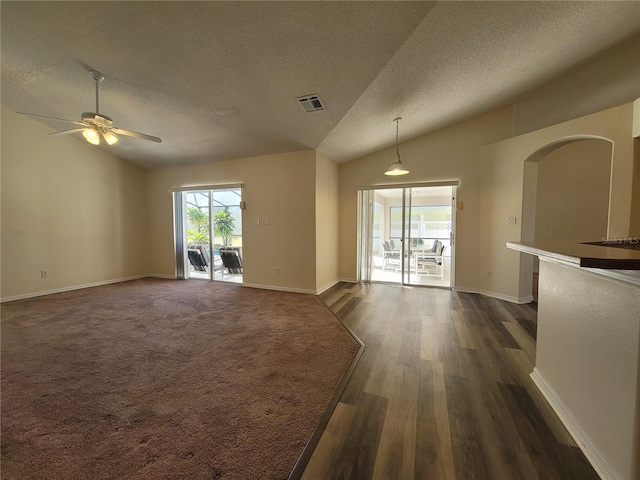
(442, 391)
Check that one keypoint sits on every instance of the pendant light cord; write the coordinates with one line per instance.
(397, 127)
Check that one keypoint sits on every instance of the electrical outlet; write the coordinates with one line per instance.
(511, 220)
(489, 274)
(258, 221)
(277, 270)
(44, 273)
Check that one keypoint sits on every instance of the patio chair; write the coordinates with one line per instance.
(197, 259)
(231, 260)
(389, 256)
(432, 263)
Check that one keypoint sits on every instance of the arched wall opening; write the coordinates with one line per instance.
(567, 193)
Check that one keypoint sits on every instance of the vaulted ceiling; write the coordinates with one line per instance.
(219, 80)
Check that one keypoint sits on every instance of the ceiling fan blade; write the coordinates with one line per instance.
(130, 133)
(53, 118)
(67, 132)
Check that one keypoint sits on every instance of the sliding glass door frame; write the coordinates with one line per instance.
(181, 221)
(365, 227)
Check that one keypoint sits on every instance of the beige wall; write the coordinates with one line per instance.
(502, 193)
(68, 208)
(608, 79)
(572, 200)
(634, 228)
(280, 187)
(326, 222)
(449, 154)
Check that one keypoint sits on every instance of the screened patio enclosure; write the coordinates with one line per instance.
(209, 234)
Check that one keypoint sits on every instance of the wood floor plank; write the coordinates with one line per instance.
(443, 307)
(396, 452)
(522, 338)
(442, 391)
(329, 296)
(357, 456)
(494, 318)
(348, 307)
(465, 338)
(467, 456)
(528, 326)
(330, 443)
(524, 365)
(434, 451)
(496, 360)
(470, 309)
(500, 442)
(429, 349)
(358, 381)
(410, 342)
(520, 312)
(549, 458)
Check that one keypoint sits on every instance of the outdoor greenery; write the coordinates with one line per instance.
(198, 234)
(199, 220)
(223, 225)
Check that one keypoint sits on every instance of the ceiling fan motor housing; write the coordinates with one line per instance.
(97, 119)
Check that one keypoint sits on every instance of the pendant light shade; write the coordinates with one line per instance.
(110, 137)
(92, 136)
(396, 168)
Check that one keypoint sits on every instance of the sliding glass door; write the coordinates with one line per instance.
(209, 233)
(410, 237)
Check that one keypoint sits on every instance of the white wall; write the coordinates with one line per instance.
(68, 208)
(587, 357)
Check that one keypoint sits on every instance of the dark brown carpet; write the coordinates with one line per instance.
(165, 379)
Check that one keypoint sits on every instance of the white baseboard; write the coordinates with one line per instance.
(281, 289)
(327, 286)
(597, 460)
(499, 296)
(69, 289)
(348, 280)
(160, 275)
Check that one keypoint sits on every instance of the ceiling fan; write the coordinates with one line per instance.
(95, 125)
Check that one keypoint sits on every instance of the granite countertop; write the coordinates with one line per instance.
(589, 255)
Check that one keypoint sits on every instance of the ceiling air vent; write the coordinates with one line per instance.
(311, 103)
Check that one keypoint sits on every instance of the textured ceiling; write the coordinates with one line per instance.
(219, 80)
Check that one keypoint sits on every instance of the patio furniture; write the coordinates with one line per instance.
(197, 259)
(430, 261)
(231, 260)
(390, 257)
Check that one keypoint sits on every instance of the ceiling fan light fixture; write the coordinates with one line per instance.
(396, 168)
(92, 136)
(110, 137)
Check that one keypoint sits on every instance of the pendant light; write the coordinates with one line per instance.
(396, 167)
